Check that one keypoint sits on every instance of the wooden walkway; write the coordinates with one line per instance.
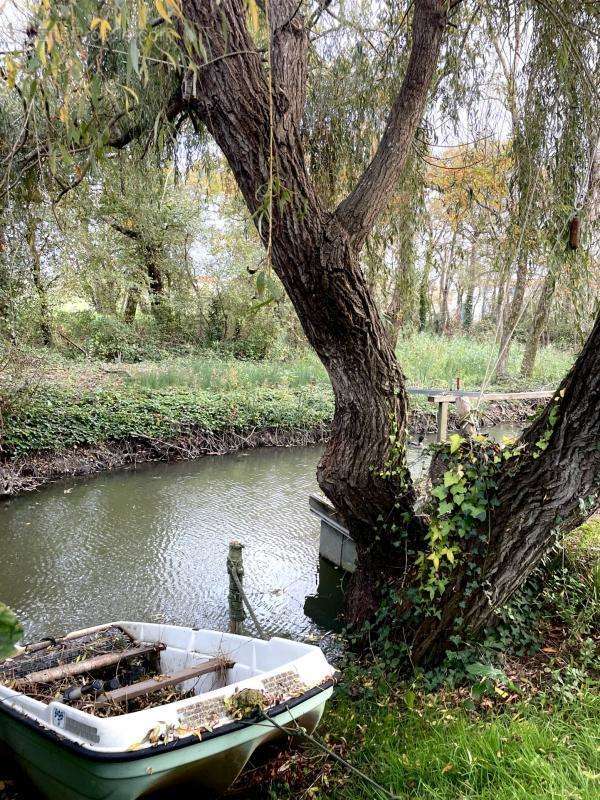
(443, 399)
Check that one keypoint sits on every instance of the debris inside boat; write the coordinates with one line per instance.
(132, 707)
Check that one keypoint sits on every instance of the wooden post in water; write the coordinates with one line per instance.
(235, 565)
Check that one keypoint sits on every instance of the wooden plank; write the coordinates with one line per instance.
(90, 664)
(451, 397)
(125, 693)
(415, 390)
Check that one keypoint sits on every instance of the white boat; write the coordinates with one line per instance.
(233, 693)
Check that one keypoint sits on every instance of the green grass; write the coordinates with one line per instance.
(224, 374)
(427, 360)
(436, 362)
(525, 752)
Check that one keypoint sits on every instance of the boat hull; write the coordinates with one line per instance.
(62, 771)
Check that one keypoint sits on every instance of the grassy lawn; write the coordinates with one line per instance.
(443, 752)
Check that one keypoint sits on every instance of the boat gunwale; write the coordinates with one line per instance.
(186, 741)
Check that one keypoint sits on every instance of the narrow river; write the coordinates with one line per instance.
(152, 544)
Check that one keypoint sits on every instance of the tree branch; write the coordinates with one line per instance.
(289, 49)
(359, 211)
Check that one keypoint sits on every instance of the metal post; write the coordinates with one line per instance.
(235, 567)
(442, 422)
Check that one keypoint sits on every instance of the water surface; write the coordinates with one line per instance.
(152, 544)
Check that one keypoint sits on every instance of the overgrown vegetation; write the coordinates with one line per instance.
(57, 420)
(516, 718)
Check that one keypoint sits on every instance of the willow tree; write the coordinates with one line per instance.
(243, 80)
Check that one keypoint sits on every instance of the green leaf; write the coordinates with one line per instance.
(450, 478)
(455, 442)
(10, 631)
(261, 282)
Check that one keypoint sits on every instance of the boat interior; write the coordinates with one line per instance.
(125, 667)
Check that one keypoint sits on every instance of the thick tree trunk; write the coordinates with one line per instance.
(549, 488)
(539, 322)
(315, 253)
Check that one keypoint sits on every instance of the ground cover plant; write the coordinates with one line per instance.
(516, 718)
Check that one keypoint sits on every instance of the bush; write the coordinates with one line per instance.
(105, 337)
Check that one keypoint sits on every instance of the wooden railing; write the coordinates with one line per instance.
(443, 399)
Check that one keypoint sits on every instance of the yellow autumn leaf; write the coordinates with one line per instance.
(10, 68)
(103, 26)
(160, 7)
(63, 114)
(174, 4)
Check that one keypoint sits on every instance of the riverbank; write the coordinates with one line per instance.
(53, 433)
(61, 417)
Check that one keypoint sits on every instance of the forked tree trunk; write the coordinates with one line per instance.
(551, 488)
(315, 254)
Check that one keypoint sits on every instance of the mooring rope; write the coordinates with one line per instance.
(299, 732)
(233, 573)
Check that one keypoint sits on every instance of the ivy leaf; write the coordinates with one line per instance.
(450, 478)
(445, 508)
(10, 631)
(455, 442)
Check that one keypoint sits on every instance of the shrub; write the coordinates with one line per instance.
(106, 337)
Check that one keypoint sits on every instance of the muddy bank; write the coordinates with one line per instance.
(30, 472)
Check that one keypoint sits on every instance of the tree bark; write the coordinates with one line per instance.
(511, 317)
(401, 305)
(131, 304)
(424, 301)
